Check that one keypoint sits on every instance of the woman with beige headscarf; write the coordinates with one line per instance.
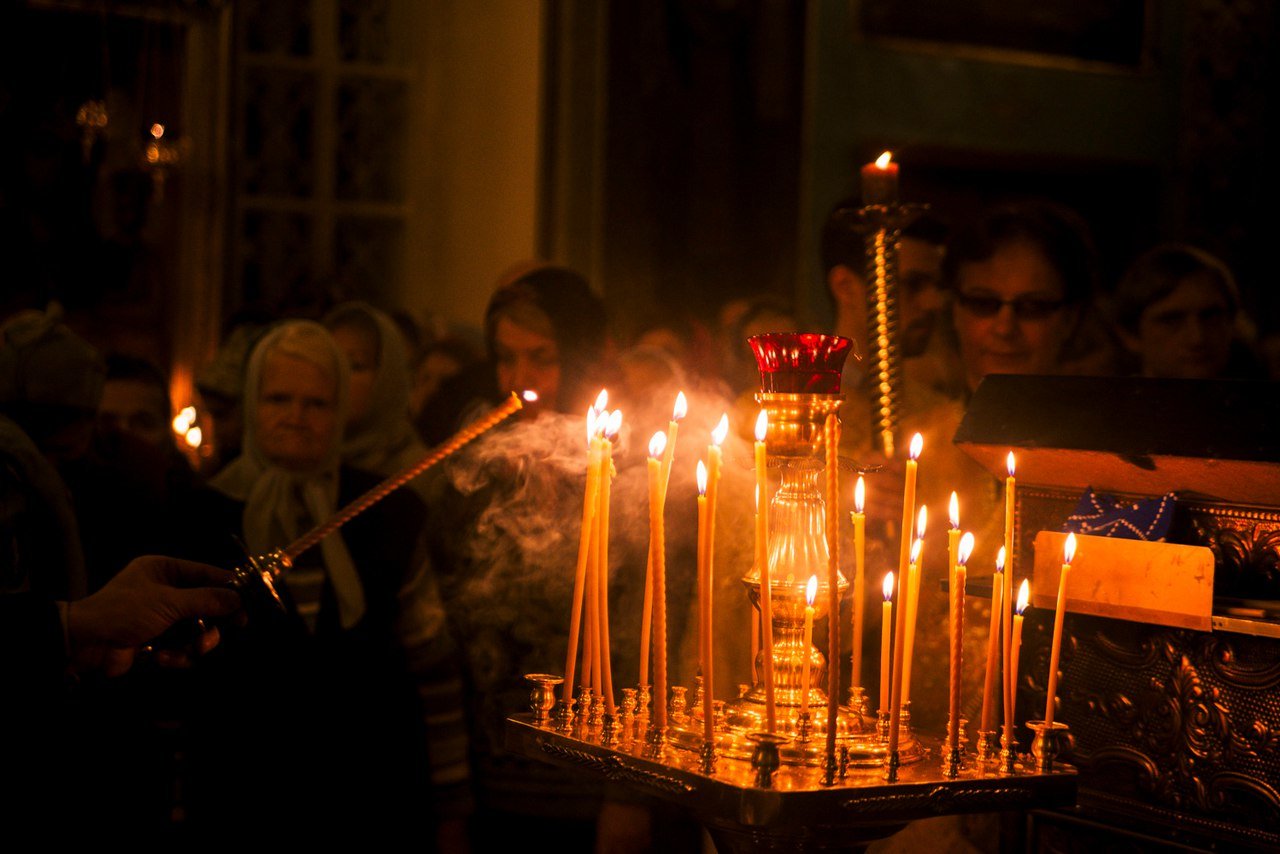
(345, 707)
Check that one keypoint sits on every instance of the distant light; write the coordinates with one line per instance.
(194, 437)
(882, 162)
(157, 130)
(530, 396)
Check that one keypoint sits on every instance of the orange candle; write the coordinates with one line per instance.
(914, 570)
(810, 593)
(957, 638)
(1068, 554)
(886, 617)
(993, 646)
(584, 549)
(602, 588)
(859, 576)
(900, 629)
(832, 442)
(1024, 596)
(657, 559)
(704, 601)
(713, 487)
(880, 181)
(953, 537)
(766, 578)
(657, 537)
(1010, 491)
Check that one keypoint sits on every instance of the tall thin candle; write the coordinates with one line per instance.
(832, 442)
(957, 638)
(1010, 493)
(714, 462)
(646, 612)
(1024, 596)
(989, 700)
(886, 640)
(584, 549)
(612, 429)
(766, 578)
(656, 525)
(1068, 554)
(657, 560)
(859, 518)
(704, 602)
(914, 573)
(909, 505)
(806, 651)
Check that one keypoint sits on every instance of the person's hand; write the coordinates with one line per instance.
(149, 595)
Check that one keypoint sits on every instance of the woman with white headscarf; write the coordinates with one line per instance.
(344, 710)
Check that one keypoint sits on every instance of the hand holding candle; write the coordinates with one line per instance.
(1068, 554)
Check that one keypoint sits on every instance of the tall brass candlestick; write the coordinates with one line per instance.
(859, 577)
(1068, 554)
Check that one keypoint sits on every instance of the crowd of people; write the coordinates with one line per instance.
(374, 699)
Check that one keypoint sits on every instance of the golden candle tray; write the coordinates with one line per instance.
(796, 812)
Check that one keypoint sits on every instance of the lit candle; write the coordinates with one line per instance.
(957, 637)
(914, 570)
(993, 646)
(704, 601)
(886, 616)
(678, 412)
(612, 428)
(669, 440)
(657, 539)
(832, 443)
(1068, 554)
(806, 651)
(657, 559)
(1010, 491)
(762, 561)
(1024, 596)
(584, 549)
(859, 576)
(880, 181)
(909, 505)
(953, 536)
(899, 656)
(709, 545)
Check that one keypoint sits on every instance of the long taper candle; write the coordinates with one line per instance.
(806, 651)
(766, 578)
(859, 518)
(914, 572)
(714, 462)
(658, 577)
(963, 551)
(1024, 596)
(886, 641)
(1068, 554)
(953, 535)
(909, 505)
(656, 445)
(606, 479)
(832, 442)
(1010, 492)
(993, 646)
(704, 600)
(584, 548)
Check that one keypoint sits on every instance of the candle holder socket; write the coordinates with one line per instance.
(765, 757)
(542, 695)
(891, 767)
(608, 730)
(642, 703)
(1048, 743)
(804, 727)
(679, 705)
(595, 707)
(951, 765)
(628, 705)
(882, 726)
(988, 745)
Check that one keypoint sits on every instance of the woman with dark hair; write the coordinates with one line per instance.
(1023, 278)
(1178, 312)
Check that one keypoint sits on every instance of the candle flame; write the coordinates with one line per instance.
(157, 130)
(591, 424)
(681, 408)
(887, 587)
(1024, 596)
(882, 162)
(614, 426)
(1010, 462)
(657, 444)
(1000, 560)
(183, 420)
(917, 445)
(915, 550)
(1069, 549)
(954, 510)
(859, 494)
(194, 437)
(601, 423)
(722, 430)
(602, 400)
(529, 395)
(922, 521)
(811, 590)
(702, 478)
(966, 549)
(762, 425)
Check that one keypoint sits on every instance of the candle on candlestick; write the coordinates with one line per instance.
(806, 651)
(880, 181)
(832, 448)
(1024, 596)
(657, 549)
(886, 617)
(669, 446)
(993, 646)
(612, 427)
(762, 561)
(1006, 617)
(953, 535)
(584, 549)
(957, 637)
(1068, 554)
(714, 459)
(909, 506)
(657, 537)
(678, 412)
(859, 518)
(704, 601)
(914, 571)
